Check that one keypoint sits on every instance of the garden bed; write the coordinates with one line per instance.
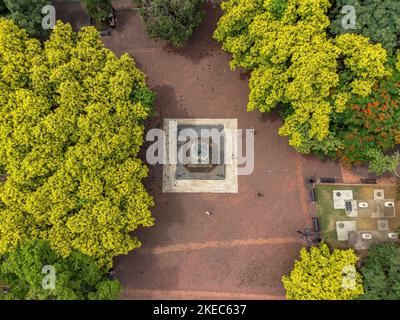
(329, 216)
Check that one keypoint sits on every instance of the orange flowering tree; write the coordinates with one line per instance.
(369, 128)
(336, 94)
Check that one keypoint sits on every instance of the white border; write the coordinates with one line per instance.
(228, 185)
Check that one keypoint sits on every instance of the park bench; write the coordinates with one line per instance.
(316, 230)
(105, 33)
(327, 180)
(312, 195)
(368, 181)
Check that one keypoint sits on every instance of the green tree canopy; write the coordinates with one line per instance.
(71, 126)
(3, 9)
(172, 20)
(98, 9)
(324, 275)
(369, 127)
(298, 67)
(381, 271)
(76, 277)
(27, 14)
(378, 20)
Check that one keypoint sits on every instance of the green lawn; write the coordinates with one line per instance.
(328, 215)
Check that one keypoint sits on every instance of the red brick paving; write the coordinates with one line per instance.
(235, 252)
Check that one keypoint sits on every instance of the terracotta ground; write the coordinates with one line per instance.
(248, 243)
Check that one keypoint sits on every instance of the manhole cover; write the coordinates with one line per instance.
(379, 194)
(338, 194)
(341, 225)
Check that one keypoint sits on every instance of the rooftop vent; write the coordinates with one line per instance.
(393, 236)
(348, 205)
(363, 204)
(366, 236)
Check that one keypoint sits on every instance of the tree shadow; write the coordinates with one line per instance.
(72, 13)
(201, 44)
(142, 269)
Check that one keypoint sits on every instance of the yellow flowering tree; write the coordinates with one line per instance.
(295, 65)
(71, 126)
(324, 275)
